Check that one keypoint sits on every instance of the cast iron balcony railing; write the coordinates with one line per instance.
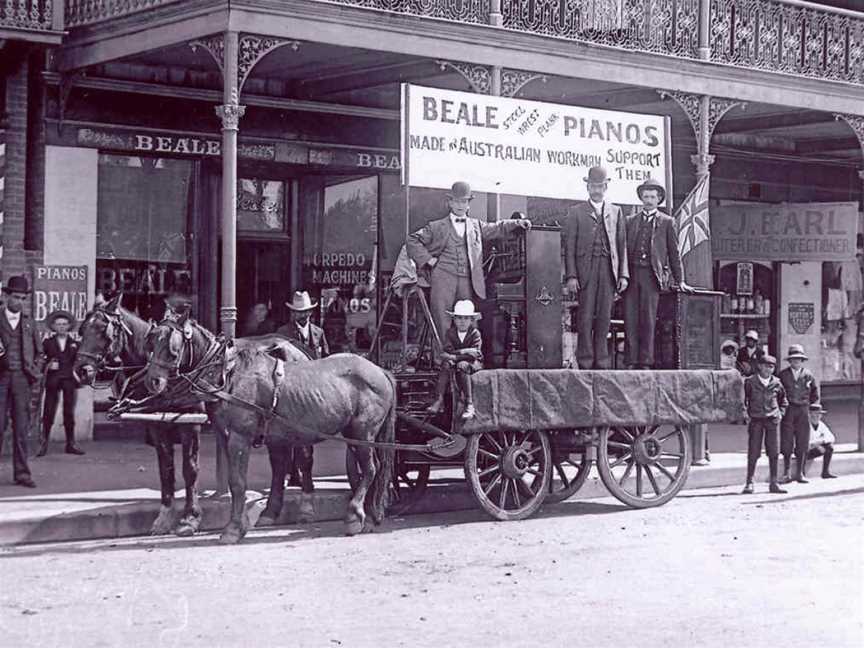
(29, 15)
(786, 36)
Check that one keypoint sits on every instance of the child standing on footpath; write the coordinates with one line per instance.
(462, 351)
(765, 399)
(802, 390)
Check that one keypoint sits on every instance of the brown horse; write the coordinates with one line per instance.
(112, 335)
(301, 403)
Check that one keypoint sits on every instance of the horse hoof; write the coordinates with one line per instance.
(306, 514)
(230, 537)
(160, 528)
(353, 527)
(265, 521)
(188, 527)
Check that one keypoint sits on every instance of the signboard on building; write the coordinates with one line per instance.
(785, 232)
(59, 287)
(801, 317)
(528, 148)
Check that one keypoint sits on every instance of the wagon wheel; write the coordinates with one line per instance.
(409, 482)
(509, 472)
(569, 472)
(644, 466)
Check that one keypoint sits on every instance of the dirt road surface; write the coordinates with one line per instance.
(712, 568)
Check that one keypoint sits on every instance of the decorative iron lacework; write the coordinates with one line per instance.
(664, 26)
(471, 11)
(26, 14)
(85, 12)
(802, 40)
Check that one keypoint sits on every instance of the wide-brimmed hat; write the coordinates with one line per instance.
(59, 313)
(301, 302)
(597, 175)
(796, 351)
(651, 184)
(817, 407)
(17, 284)
(460, 191)
(464, 308)
(767, 359)
(729, 343)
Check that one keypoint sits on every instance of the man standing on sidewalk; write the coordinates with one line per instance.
(802, 390)
(22, 351)
(60, 351)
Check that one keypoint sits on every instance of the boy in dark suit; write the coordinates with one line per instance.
(766, 403)
(60, 350)
(461, 350)
(802, 390)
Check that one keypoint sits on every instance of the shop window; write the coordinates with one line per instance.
(340, 250)
(842, 296)
(142, 247)
(260, 206)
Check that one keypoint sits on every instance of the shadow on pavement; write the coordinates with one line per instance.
(780, 500)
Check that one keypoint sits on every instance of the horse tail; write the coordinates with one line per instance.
(380, 488)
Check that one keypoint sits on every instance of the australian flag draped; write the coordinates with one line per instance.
(694, 237)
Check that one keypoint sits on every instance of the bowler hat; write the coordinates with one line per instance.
(17, 284)
(650, 183)
(817, 407)
(460, 191)
(796, 351)
(768, 360)
(301, 302)
(597, 175)
(59, 313)
(464, 308)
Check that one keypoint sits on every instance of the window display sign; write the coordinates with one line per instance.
(528, 148)
(59, 287)
(801, 317)
(786, 232)
(744, 283)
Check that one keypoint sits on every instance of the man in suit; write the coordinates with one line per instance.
(301, 329)
(655, 267)
(449, 252)
(60, 350)
(749, 354)
(19, 370)
(595, 261)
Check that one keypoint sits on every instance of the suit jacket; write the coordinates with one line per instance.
(31, 347)
(665, 258)
(429, 242)
(473, 340)
(318, 344)
(803, 391)
(762, 401)
(579, 226)
(744, 357)
(66, 358)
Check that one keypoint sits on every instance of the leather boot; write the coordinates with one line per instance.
(826, 462)
(441, 390)
(773, 487)
(799, 471)
(71, 448)
(786, 478)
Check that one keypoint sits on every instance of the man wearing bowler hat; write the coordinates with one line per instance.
(655, 267)
(449, 252)
(19, 370)
(595, 261)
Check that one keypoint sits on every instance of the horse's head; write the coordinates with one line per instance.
(859, 339)
(175, 345)
(104, 336)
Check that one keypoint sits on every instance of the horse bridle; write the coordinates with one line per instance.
(118, 334)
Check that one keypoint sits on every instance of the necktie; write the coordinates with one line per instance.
(460, 220)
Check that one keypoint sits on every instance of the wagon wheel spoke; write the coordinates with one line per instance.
(562, 475)
(639, 480)
(516, 498)
(533, 471)
(674, 455)
(494, 443)
(627, 472)
(664, 470)
(492, 484)
(651, 479)
(488, 454)
(527, 489)
(502, 496)
(663, 437)
(618, 444)
(625, 432)
(620, 460)
(488, 470)
(533, 453)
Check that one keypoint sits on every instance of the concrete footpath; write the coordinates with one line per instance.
(113, 491)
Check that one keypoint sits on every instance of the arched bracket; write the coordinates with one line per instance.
(512, 81)
(214, 46)
(692, 106)
(856, 123)
(254, 48)
(67, 82)
(479, 77)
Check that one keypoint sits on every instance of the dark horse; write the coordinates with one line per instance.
(112, 334)
(249, 389)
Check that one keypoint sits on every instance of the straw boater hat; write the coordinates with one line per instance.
(17, 284)
(796, 351)
(464, 308)
(753, 335)
(650, 183)
(460, 190)
(59, 313)
(301, 302)
(597, 175)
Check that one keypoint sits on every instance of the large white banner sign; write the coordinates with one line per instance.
(529, 148)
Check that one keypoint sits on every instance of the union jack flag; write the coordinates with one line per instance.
(694, 225)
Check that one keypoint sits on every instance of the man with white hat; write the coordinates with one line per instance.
(749, 354)
(802, 390)
(301, 329)
(449, 253)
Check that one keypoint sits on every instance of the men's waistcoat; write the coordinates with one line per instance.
(665, 258)
(318, 343)
(26, 338)
(580, 228)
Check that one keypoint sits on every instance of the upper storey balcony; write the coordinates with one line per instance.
(789, 37)
(36, 21)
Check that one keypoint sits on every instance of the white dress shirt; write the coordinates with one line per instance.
(820, 434)
(458, 223)
(764, 381)
(305, 332)
(598, 207)
(61, 342)
(13, 319)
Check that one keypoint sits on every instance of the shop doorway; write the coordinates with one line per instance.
(263, 277)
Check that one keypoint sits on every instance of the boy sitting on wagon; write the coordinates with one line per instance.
(461, 349)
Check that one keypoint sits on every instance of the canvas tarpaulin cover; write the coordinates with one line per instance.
(542, 399)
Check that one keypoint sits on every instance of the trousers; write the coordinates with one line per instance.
(795, 431)
(759, 429)
(595, 312)
(15, 396)
(640, 316)
(445, 290)
(54, 387)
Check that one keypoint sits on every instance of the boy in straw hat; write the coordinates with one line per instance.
(802, 390)
(60, 351)
(766, 403)
(462, 350)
